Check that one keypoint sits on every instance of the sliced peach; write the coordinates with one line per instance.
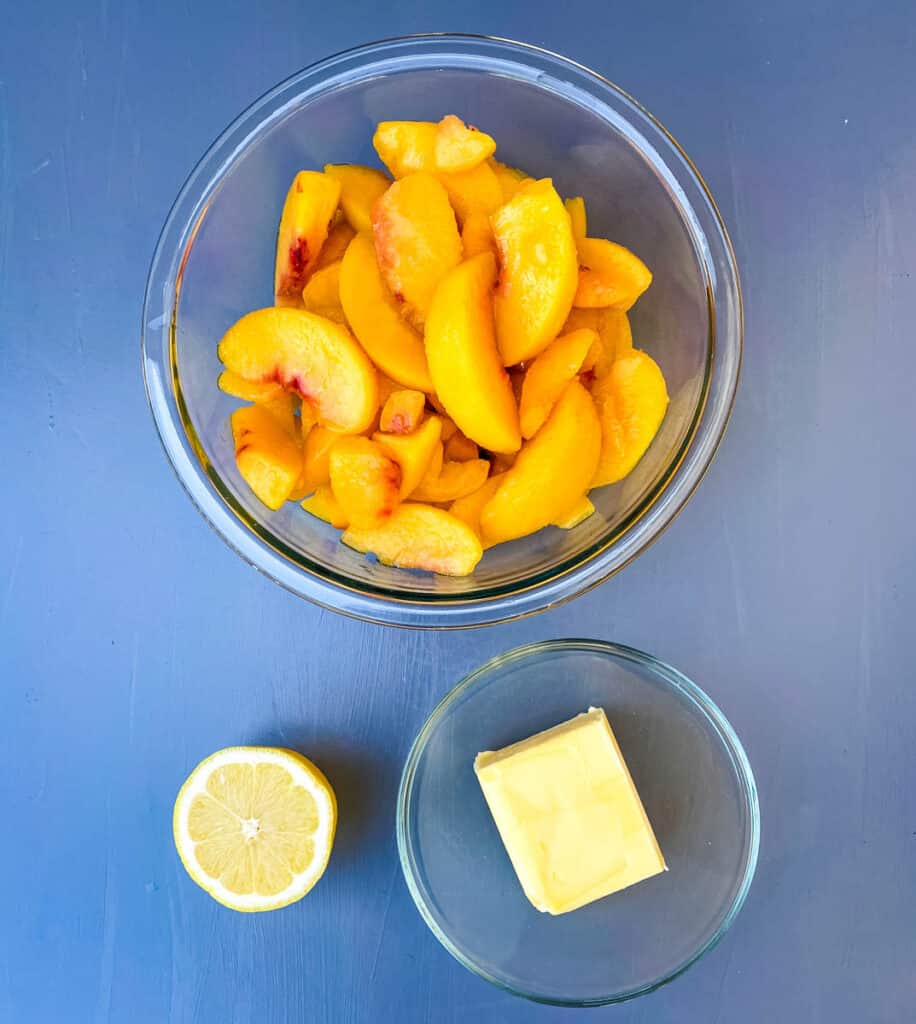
(268, 459)
(325, 506)
(463, 359)
(459, 448)
(365, 480)
(307, 212)
(538, 272)
(577, 513)
(613, 327)
(575, 207)
(477, 236)
(310, 355)
(359, 189)
(249, 390)
(420, 537)
(455, 480)
(546, 378)
(631, 401)
(393, 345)
(552, 470)
(282, 406)
(459, 147)
(416, 453)
(501, 463)
(610, 275)
(406, 147)
(510, 178)
(469, 507)
(402, 412)
(474, 191)
(316, 459)
(322, 290)
(339, 237)
(416, 240)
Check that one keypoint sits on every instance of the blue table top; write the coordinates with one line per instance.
(133, 642)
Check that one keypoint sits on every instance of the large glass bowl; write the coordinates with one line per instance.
(214, 262)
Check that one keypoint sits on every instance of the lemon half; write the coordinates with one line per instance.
(254, 826)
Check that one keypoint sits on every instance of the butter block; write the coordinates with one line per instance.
(569, 814)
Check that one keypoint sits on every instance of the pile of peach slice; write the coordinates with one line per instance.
(448, 363)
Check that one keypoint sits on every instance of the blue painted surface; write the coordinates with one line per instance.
(133, 642)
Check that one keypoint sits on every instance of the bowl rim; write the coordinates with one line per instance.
(321, 584)
(676, 680)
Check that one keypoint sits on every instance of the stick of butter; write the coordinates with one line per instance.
(569, 814)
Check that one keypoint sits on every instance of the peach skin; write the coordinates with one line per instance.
(416, 240)
(308, 354)
(421, 537)
(391, 343)
(307, 213)
(463, 359)
(631, 401)
(546, 378)
(538, 271)
(552, 470)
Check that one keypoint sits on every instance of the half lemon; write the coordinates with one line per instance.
(254, 826)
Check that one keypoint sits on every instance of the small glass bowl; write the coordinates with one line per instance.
(694, 780)
(214, 262)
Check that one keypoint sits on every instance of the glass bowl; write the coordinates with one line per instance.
(214, 262)
(695, 783)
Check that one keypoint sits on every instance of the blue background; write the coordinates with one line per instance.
(133, 642)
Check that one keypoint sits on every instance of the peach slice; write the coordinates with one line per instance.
(551, 472)
(268, 459)
(339, 237)
(463, 359)
(631, 401)
(406, 147)
(459, 448)
(416, 453)
(360, 187)
(323, 505)
(510, 179)
(538, 272)
(322, 290)
(282, 406)
(469, 507)
(610, 275)
(474, 191)
(307, 354)
(421, 537)
(575, 207)
(547, 377)
(459, 147)
(416, 240)
(455, 480)
(477, 236)
(365, 480)
(577, 513)
(402, 412)
(614, 333)
(307, 213)
(316, 459)
(249, 390)
(392, 344)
